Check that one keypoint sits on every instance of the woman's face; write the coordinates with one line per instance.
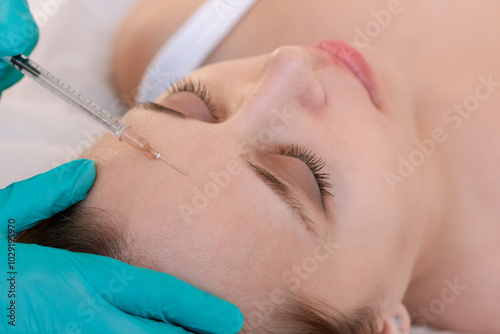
(248, 220)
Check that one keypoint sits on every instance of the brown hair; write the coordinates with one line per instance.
(82, 230)
(93, 231)
(302, 314)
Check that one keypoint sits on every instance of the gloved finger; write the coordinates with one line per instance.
(148, 326)
(19, 30)
(53, 296)
(40, 197)
(99, 317)
(9, 76)
(176, 301)
(164, 297)
(19, 35)
(116, 321)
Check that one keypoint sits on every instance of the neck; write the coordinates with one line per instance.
(433, 264)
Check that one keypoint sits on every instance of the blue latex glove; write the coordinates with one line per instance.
(57, 291)
(18, 34)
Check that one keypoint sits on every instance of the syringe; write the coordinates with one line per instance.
(89, 108)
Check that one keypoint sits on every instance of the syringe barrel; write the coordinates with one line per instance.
(65, 92)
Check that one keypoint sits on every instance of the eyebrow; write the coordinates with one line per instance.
(284, 192)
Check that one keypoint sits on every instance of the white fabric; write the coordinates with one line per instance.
(37, 130)
(191, 45)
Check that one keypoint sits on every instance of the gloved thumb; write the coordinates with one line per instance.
(44, 195)
(19, 30)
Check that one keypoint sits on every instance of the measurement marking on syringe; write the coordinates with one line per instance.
(70, 95)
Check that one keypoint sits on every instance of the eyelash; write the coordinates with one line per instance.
(315, 164)
(197, 88)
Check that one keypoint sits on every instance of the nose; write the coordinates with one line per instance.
(288, 81)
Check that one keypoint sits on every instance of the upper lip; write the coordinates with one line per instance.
(355, 62)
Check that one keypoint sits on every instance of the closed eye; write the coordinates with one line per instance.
(198, 89)
(313, 162)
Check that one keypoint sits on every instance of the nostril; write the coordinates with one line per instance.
(313, 96)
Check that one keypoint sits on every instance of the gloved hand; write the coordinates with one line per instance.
(48, 290)
(18, 34)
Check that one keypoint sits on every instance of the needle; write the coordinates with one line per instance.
(172, 165)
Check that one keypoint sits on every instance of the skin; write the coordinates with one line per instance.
(395, 246)
(246, 226)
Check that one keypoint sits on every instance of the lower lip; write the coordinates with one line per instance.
(355, 61)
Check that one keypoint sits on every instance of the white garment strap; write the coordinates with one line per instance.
(191, 45)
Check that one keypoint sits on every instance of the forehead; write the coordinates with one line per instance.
(194, 226)
(219, 191)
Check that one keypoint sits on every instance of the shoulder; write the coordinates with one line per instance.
(149, 24)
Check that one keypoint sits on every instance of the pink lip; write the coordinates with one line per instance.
(355, 61)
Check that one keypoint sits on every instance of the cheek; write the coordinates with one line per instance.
(230, 253)
(191, 252)
(380, 212)
(374, 223)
